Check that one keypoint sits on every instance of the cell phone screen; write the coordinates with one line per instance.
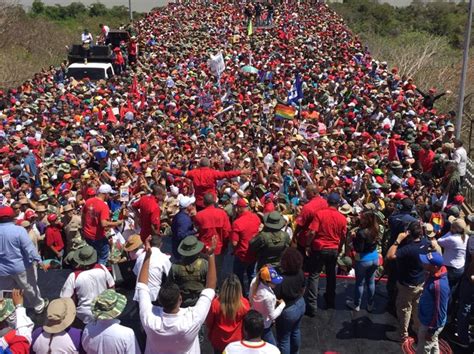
(5, 294)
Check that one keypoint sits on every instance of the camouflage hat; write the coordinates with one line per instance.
(6, 309)
(108, 305)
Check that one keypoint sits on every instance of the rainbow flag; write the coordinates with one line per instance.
(284, 112)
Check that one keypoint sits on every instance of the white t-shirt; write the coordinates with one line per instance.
(109, 336)
(173, 333)
(159, 264)
(246, 347)
(454, 250)
(60, 344)
(86, 286)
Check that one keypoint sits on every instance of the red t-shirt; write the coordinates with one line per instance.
(210, 222)
(306, 216)
(53, 237)
(94, 211)
(244, 228)
(204, 180)
(330, 227)
(222, 331)
(149, 215)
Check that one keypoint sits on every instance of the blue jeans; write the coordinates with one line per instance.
(268, 335)
(466, 301)
(240, 269)
(288, 327)
(365, 272)
(102, 248)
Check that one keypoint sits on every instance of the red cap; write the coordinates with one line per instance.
(52, 217)
(90, 192)
(29, 214)
(6, 212)
(242, 203)
(459, 199)
(379, 180)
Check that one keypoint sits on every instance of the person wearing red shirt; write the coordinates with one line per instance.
(95, 219)
(328, 231)
(244, 229)
(204, 179)
(306, 216)
(148, 208)
(212, 222)
(426, 157)
(54, 244)
(225, 318)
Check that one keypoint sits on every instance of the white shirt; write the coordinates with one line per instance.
(61, 344)
(460, 156)
(454, 254)
(246, 347)
(264, 301)
(159, 264)
(173, 333)
(86, 287)
(109, 337)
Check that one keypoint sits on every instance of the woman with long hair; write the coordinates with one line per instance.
(291, 291)
(224, 321)
(263, 299)
(364, 244)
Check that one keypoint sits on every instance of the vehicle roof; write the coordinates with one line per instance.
(90, 65)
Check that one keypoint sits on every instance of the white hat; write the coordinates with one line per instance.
(186, 201)
(105, 189)
(174, 190)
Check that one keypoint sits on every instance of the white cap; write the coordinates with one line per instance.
(186, 201)
(105, 189)
(174, 190)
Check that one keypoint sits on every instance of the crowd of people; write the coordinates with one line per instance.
(175, 168)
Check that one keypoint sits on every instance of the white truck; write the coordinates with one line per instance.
(92, 70)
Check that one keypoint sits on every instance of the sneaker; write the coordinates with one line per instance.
(352, 306)
(45, 306)
(370, 307)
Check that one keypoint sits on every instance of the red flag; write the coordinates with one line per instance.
(134, 86)
(99, 115)
(142, 102)
(123, 110)
(110, 116)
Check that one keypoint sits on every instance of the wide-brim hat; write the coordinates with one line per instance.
(274, 220)
(346, 209)
(108, 305)
(6, 309)
(85, 256)
(190, 246)
(60, 315)
(133, 242)
(68, 207)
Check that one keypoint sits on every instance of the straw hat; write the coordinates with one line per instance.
(133, 243)
(60, 315)
(346, 209)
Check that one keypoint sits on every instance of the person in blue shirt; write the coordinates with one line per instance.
(397, 224)
(182, 225)
(17, 257)
(432, 310)
(410, 274)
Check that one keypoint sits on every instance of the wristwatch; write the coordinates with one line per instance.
(396, 243)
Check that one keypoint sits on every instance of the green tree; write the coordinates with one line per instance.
(37, 7)
(97, 9)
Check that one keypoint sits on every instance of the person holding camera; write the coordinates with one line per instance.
(406, 251)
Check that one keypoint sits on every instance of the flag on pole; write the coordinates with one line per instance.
(296, 92)
(250, 28)
(283, 111)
